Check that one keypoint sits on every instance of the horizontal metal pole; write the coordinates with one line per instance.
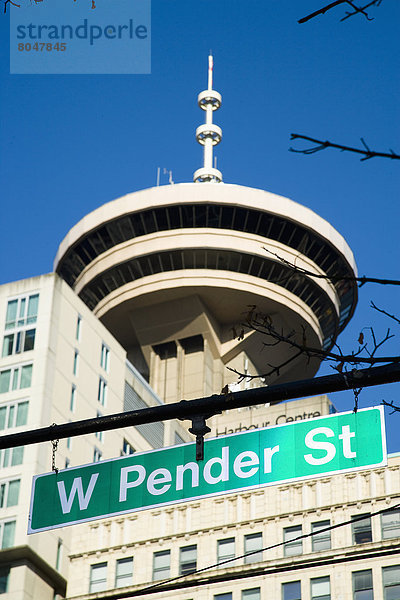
(186, 409)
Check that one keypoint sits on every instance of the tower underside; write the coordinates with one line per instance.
(173, 270)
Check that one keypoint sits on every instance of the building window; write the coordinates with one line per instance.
(15, 378)
(9, 457)
(76, 363)
(20, 341)
(13, 415)
(98, 578)
(321, 588)
(22, 311)
(187, 559)
(390, 523)
(161, 565)
(104, 357)
(7, 533)
(4, 574)
(291, 590)
(292, 546)
(102, 391)
(253, 543)
(166, 350)
(67, 463)
(192, 344)
(320, 541)
(225, 549)
(99, 434)
(391, 582)
(362, 585)
(21, 314)
(253, 594)
(9, 492)
(78, 328)
(124, 572)
(127, 448)
(226, 596)
(361, 529)
(72, 400)
(97, 454)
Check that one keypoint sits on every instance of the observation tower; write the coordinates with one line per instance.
(172, 270)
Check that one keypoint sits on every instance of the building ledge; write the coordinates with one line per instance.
(25, 556)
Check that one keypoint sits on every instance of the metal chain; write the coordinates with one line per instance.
(54, 444)
(356, 392)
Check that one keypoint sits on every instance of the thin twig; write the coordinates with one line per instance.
(367, 153)
(385, 313)
(333, 278)
(357, 10)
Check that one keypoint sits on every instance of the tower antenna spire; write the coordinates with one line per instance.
(209, 134)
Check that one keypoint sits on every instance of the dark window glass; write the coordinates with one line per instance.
(194, 343)
(292, 546)
(187, 560)
(391, 582)
(390, 522)
(4, 575)
(320, 541)
(362, 585)
(361, 529)
(166, 350)
(291, 590)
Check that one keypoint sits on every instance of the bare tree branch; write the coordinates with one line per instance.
(391, 405)
(385, 313)
(361, 9)
(356, 9)
(367, 153)
(11, 2)
(333, 278)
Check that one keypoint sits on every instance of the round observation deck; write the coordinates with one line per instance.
(164, 244)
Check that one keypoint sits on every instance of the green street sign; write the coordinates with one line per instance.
(301, 450)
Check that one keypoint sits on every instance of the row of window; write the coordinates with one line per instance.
(20, 316)
(15, 378)
(123, 575)
(362, 586)
(9, 492)
(253, 544)
(104, 359)
(361, 532)
(320, 587)
(13, 414)
(10, 457)
(7, 534)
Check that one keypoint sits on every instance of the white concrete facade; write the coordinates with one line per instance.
(55, 352)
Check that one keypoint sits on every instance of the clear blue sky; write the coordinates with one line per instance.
(70, 143)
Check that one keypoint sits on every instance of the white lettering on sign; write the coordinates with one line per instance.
(346, 436)
(159, 477)
(180, 469)
(268, 454)
(83, 499)
(124, 484)
(224, 462)
(244, 460)
(329, 448)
